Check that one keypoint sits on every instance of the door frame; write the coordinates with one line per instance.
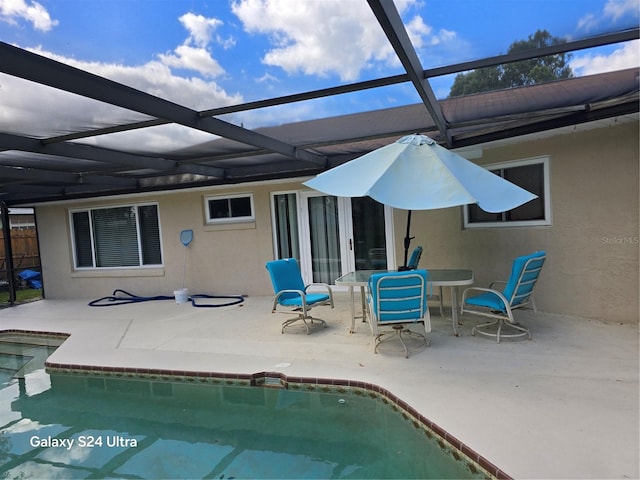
(345, 227)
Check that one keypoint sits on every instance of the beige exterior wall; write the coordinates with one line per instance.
(221, 260)
(592, 245)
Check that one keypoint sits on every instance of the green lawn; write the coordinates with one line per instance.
(22, 295)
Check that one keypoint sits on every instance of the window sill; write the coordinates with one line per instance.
(119, 273)
(230, 226)
(490, 225)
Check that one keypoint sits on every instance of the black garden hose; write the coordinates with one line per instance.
(127, 298)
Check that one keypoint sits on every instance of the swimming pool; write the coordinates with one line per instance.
(79, 424)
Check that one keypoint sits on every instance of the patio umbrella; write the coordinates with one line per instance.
(415, 173)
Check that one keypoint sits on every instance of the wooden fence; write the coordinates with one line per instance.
(24, 244)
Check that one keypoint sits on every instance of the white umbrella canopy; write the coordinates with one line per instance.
(415, 173)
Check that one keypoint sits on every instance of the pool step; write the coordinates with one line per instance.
(20, 355)
(268, 381)
(13, 362)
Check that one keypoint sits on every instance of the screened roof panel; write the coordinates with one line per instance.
(25, 160)
(157, 140)
(41, 111)
(70, 130)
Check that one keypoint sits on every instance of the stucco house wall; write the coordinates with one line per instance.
(592, 245)
(222, 259)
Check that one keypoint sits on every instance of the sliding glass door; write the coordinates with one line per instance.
(331, 235)
(325, 230)
(369, 235)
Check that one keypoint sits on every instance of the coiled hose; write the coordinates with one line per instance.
(126, 298)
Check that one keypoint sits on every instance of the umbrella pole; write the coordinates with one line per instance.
(407, 242)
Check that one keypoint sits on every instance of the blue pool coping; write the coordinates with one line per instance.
(458, 449)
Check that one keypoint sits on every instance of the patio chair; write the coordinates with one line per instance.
(414, 260)
(396, 299)
(291, 292)
(499, 304)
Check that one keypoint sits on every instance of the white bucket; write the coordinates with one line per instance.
(182, 295)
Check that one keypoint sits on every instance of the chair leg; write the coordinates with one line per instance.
(478, 329)
(523, 331)
(398, 331)
(304, 319)
(288, 322)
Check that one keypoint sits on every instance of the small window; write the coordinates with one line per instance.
(533, 176)
(116, 237)
(229, 208)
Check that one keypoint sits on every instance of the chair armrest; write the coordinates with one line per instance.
(499, 294)
(496, 281)
(323, 285)
(299, 292)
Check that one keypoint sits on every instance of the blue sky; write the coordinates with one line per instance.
(209, 53)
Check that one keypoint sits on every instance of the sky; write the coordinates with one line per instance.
(209, 53)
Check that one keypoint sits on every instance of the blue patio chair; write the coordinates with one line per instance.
(414, 260)
(499, 304)
(291, 292)
(396, 299)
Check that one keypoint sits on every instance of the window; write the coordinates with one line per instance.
(127, 236)
(532, 175)
(285, 225)
(229, 208)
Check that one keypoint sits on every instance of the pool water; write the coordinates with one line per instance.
(22, 358)
(76, 426)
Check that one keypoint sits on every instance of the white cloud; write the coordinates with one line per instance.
(612, 11)
(193, 53)
(616, 9)
(627, 56)
(417, 30)
(310, 37)
(160, 139)
(267, 78)
(192, 58)
(443, 36)
(588, 22)
(156, 78)
(36, 106)
(13, 10)
(200, 28)
(226, 43)
(329, 37)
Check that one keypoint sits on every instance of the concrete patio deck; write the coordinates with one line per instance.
(563, 405)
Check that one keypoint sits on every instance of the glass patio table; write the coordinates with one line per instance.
(436, 278)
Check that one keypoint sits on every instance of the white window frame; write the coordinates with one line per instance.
(93, 256)
(274, 231)
(217, 221)
(518, 223)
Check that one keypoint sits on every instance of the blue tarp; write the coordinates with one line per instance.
(32, 277)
